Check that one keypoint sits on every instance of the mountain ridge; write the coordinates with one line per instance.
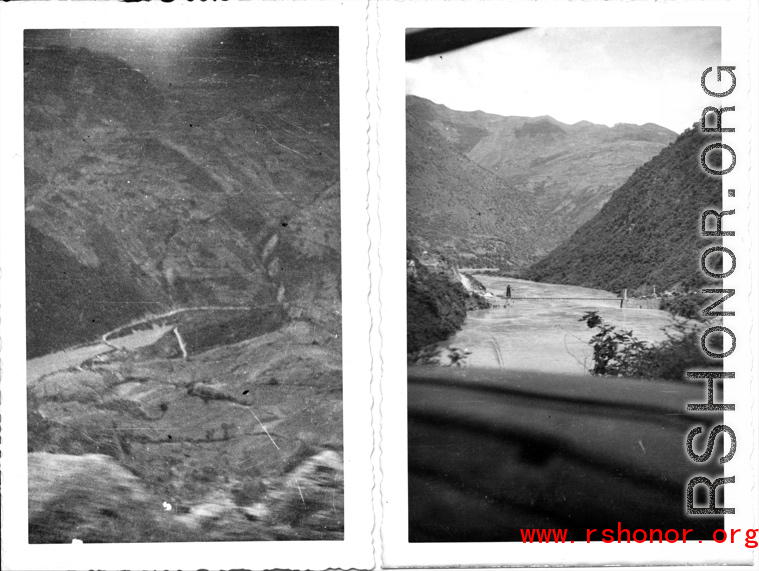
(635, 241)
(183, 286)
(567, 171)
(460, 209)
(214, 190)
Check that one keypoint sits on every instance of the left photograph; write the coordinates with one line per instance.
(183, 285)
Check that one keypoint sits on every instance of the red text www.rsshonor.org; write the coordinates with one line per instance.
(620, 535)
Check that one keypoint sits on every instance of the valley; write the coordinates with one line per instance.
(183, 285)
(553, 284)
(647, 235)
(148, 197)
(522, 174)
(634, 244)
(215, 435)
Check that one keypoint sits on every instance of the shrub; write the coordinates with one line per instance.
(617, 353)
(620, 354)
(687, 305)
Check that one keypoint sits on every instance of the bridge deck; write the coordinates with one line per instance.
(565, 298)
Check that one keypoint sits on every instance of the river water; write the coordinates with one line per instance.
(547, 335)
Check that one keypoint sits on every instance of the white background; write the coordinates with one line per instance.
(373, 151)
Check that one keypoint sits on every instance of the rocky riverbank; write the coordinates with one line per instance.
(438, 297)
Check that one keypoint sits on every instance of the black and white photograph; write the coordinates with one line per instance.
(567, 278)
(183, 226)
(183, 284)
(551, 257)
(416, 284)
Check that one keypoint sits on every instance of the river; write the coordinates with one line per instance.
(131, 338)
(547, 335)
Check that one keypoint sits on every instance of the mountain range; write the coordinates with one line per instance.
(183, 288)
(221, 188)
(527, 173)
(456, 207)
(647, 234)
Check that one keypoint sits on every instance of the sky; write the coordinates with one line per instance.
(162, 54)
(601, 75)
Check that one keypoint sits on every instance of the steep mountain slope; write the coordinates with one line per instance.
(190, 211)
(648, 232)
(436, 301)
(567, 171)
(460, 209)
(219, 188)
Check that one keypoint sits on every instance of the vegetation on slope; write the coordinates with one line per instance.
(648, 234)
(219, 188)
(56, 281)
(564, 172)
(435, 307)
(687, 305)
(460, 209)
(436, 303)
(215, 186)
(618, 353)
(220, 436)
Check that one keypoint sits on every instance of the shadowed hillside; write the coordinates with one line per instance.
(220, 188)
(458, 208)
(183, 247)
(564, 172)
(436, 300)
(647, 234)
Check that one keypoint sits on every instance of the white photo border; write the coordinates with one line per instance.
(739, 23)
(355, 551)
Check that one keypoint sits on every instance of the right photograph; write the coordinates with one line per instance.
(554, 284)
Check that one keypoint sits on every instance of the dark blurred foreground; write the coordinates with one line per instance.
(491, 452)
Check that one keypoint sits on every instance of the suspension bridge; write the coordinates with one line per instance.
(624, 301)
(502, 301)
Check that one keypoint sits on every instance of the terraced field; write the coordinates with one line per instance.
(226, 428)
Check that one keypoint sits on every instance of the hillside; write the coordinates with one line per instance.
(183, 275)
(436, 301)
(567, 172)
(648, 232)
(221, 188)
(458, 208)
